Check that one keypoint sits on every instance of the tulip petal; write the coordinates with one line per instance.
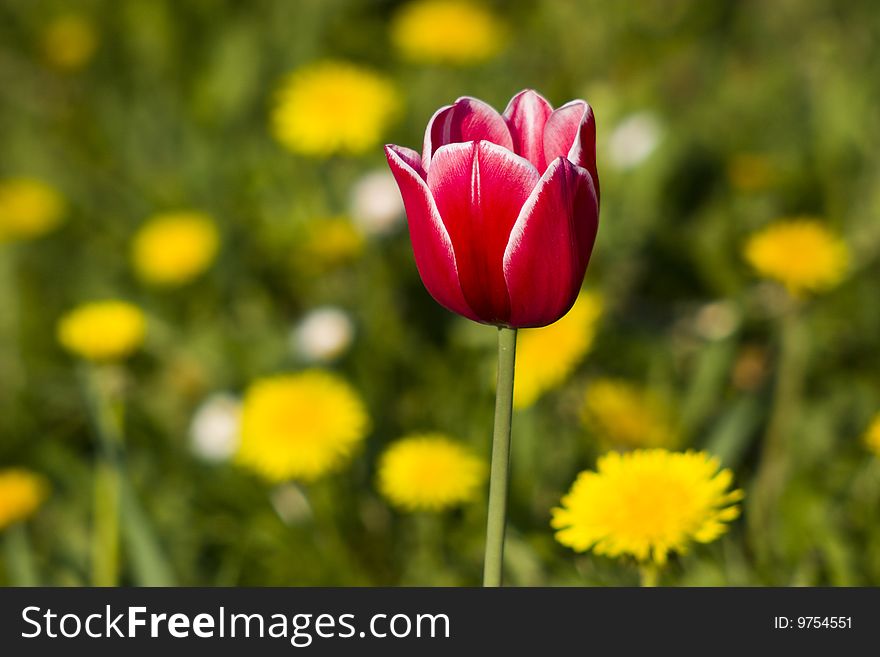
(468, 119)
(408, 156)
(571, 132)
(480, 188)
(526, 115)
(550, 245)
(432, 248)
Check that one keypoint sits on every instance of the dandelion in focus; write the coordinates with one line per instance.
(547, 356)
(624, 415)
(333, 107)
(102, 330)
(446, 32)
(69, 42)
(376, 206)
(300, 426)
(323, 334)
(647, 504)
(22, 492)
(872, 435)
(802, 254)
(430, 472)
(29, 208)
(214, 428)
(174, 248)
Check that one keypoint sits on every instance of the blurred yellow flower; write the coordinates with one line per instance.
(333, 107)
(330, 242)
(173, 248)
(545, 357)
(21, 494)
(430, 472)
(622, 414)
(802, 254)
(102, 330)
(28, 208)
(872, 435)
(300, 426)
(446, 31)
(69, 42)
(646, 504)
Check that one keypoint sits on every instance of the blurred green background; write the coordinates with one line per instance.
(715, 119)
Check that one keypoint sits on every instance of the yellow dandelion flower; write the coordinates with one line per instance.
(69, 42)
(28, 208)
(331, 242)
(625, 415)
(103, 330)
(545, 357)
(300, 426)
(802, 254)
(447, 32)
(430, 472)
(173, 248)
(646, 504)
(21, 494)
(333, 107)
(872, 435)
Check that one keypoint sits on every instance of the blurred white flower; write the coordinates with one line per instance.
(633, 140)
(214, 428)
(291, 504)
(323, 334)
(376, 206)
(717, 320)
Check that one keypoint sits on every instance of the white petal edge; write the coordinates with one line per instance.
(519, 227)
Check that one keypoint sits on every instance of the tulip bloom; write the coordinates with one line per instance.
(503, 209)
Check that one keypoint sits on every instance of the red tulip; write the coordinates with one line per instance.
(503, 209)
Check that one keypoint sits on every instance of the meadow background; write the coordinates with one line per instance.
(714, 121)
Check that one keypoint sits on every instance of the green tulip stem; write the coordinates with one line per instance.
(500, 468)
